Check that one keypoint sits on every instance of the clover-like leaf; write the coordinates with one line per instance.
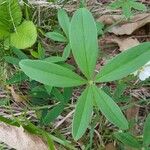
(127, 6)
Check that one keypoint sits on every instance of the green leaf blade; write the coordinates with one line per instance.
(56, 36)
(50, 74)
(146, 132)
(83, 113)
(83, 41)
(66, 52)
(127, 139)
(64, 21)
(125, 63)
(109, 108)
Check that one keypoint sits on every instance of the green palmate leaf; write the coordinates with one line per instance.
(25, 36)
(83, 113)
(115, 5)
(127, 139)
(109, 108)
(146, 132)
(83, 41)
(126, 8)
(50, 74)
(64, 21)
(66, 52)
(11, 15)
(125, 63)
(54, 113)
(56, 36)
(138, 6)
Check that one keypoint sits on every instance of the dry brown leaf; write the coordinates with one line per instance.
(19, 139)
(125, 44)
(126, 28)
(109, 19)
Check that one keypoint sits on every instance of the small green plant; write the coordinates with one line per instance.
(84, 45)
(64, 23)
(12, 30)
(132, 141)
(127, 6)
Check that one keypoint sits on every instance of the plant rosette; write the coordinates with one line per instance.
(84, 47)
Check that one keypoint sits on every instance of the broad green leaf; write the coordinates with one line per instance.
(127, 139)
(109, 108)
(64, 21)
(66, 52)
(50, 74)
(83, 41)
(25, 36)
(56, 36)
(83, 113)
(125, 63)
(53, 113)
(146, 132)
(10, 15)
